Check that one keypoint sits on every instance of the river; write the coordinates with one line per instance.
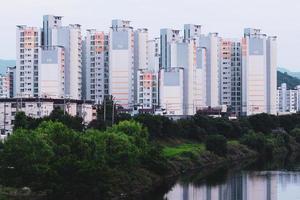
(257, 180)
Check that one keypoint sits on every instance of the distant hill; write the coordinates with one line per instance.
(284, 77)
(294, 74)
(6, 63)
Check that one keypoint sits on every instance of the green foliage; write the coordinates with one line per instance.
(58, 159)
(174, 151)
(296, 133)
(75, 123)
(216, 144)
(25, 160)
(256, 141)
(26, 122)
(263, 123)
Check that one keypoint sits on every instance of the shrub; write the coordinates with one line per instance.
(216, 144)
(256, 141)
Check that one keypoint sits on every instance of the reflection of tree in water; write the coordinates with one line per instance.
(258, 181)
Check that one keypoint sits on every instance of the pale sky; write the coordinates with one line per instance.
(227, 17)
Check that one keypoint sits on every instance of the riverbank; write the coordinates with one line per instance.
(186, 155)
(181, 156)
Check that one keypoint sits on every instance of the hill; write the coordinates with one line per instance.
(284, 77)
(294, 74)
(6, 63)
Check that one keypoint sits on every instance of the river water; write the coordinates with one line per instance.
(258, 180)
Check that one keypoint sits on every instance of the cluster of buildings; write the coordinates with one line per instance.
(178, 73)
(288, 100)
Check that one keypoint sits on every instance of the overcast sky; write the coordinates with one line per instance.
(228, 17)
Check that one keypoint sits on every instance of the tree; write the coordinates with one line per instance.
(296, 133)
(256, 141)
(264, 123)
(25, 160)
(216, 144)
(58, 115)
(20, 121)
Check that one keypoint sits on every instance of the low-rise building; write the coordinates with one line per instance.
(41, 107)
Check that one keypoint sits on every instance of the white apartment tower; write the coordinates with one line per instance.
(167, 37)
(121, 63)
(171, 90)
(4, 86)
(69, 38)
(211, 43)
(140, 58)
(95, 65)
(271, 74)
(153, 54)
(27, 74)
(258, 73)
(51, 72)
(195, 74)
(187, 57)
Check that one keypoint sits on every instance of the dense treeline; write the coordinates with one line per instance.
(66, 163)
(115, 154)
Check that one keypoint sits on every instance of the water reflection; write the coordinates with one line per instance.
(262, 185)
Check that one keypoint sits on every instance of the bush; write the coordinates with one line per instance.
(296, 133)
(256, 141)
(216, 144)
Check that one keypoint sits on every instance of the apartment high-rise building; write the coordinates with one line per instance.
(211, 43)
(11, 71)
(271, 74)
(140, 56)
(167, 37)
(187, 55)
(4, 86)
(141, 49)
(27, 74)
(288, 99)
(68, 37)
(192, 31)
(95, 65)
(121, 63)
(154, 54)
(171, 90)
(231, 75)
(51, 25)
(52, 72)
(147, 89)
(258, 73)
(40, 52)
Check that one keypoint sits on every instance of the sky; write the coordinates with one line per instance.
(227, 17)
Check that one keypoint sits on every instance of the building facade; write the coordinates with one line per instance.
(288, 99)
(27, 64)
(95, 65)
(121, 63)
(41, 107)
(259, 77)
